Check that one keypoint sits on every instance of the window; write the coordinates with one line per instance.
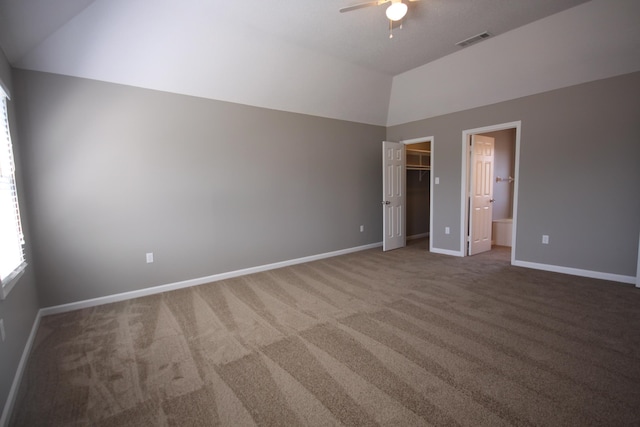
(12, 262)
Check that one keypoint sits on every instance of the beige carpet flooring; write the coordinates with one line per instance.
(404, 338)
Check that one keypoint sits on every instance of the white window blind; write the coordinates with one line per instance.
(12, 261)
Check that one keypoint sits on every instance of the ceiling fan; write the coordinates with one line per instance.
(395, 12)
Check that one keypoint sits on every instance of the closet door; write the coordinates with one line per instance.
(393, 183)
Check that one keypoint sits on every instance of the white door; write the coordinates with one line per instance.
(393, 181)
(481, 197)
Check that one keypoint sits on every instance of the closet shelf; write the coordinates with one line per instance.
(418, 159)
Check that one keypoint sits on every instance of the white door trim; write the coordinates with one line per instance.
(464, 208)
(429, 139)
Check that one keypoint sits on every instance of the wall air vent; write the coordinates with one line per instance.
(474, 39)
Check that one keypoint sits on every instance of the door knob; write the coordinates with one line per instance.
(386, 202)
(492, 200)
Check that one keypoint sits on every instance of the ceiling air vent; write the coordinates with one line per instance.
(474, 39)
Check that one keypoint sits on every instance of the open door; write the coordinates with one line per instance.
(470, 171)
(481, 194)
(393, 181)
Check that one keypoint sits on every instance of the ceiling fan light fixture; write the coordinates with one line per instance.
(396, 11)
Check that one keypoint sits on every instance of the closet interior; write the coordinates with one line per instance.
(418, 160)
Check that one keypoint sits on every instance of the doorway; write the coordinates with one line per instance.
(407, 190)
(419, 154)
(499, 225)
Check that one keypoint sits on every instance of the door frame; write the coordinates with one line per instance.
(464, 183)
(431, 140)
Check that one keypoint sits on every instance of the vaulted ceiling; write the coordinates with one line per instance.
(305, 56)
(430, 30)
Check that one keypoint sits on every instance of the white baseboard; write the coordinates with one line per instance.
(198, 281)
(446, 252)
(17, 379)
(576, 271)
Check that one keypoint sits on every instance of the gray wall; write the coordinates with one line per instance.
(579, 173)
(20, 308)
(207, 186)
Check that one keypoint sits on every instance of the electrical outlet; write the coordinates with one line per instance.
(2, 329)
(437, 180)
(545, 239)
(361, 228)
(149, 257)
(447, 230)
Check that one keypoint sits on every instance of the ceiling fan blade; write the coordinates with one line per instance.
(362, 5)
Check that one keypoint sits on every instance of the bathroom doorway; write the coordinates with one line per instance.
(489, 222)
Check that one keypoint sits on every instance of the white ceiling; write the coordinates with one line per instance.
(592, 41)
(430, 30)
(304, 56)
